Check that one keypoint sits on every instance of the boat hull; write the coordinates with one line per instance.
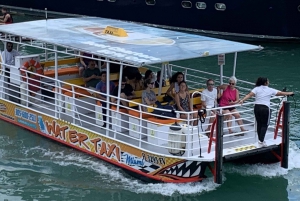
(252, 19)
(144, 165)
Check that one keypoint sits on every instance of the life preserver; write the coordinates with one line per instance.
(31, 66)
(35, 67)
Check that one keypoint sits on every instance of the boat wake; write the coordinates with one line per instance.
(120, 180)
(70, 169)
(269, 170)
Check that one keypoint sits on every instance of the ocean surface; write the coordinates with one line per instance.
(34, 168)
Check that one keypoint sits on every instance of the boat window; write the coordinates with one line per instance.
(220, 6)
(201, 5)
(150, 2)
(186, 4)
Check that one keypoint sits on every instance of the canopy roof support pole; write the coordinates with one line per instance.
(119, 94)
(56, 82)
(107, 96)
(120, 86)
(221, 74)
(169, 70)
(4, 95)
(234, 64)
(46, 52)
(162, 72)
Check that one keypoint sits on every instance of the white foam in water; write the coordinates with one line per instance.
(294, 156)
(167, 189)
(128, 183)
(269, 170)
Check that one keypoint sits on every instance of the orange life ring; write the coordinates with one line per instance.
(31, 66)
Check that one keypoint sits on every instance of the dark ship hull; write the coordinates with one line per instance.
(252, 19)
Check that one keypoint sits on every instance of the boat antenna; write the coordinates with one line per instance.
(46, 14)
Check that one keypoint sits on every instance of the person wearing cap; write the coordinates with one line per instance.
(127, 93)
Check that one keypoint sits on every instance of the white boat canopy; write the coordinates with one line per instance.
(127, 42)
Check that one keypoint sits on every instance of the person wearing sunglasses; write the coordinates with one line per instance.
(229, 97)
(148, 96)
(126, 93)
(209, 100)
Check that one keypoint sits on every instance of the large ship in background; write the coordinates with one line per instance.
(244, 19)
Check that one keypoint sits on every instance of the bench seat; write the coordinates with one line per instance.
(62, 71)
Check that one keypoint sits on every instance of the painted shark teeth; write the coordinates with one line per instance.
(196, 173)
(185, 169)
(187, 174)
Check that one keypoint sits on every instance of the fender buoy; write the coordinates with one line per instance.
(35, 67)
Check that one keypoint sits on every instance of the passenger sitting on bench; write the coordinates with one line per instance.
(113, 67)
(229, 97)
(136, 81)
(84, 62)
(183, 101)
(148, 96)
(149, 74)
(158, 80)
(126, 93)
(209, 100)
(101, 87)
(175, 80)
(129, 70)
(91, 76)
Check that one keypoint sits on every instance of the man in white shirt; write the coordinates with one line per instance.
(209, 100)
(9, 58)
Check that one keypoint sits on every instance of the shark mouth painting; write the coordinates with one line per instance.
(183, 170)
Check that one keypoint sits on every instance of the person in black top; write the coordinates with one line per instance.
(126, 93)
(91, 75)
(158, 79)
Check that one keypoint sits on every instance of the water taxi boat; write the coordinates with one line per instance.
(44, 94)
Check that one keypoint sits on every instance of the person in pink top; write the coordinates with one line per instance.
(229, 97)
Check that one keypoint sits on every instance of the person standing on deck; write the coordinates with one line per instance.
(101, 87)
(6, 18)
(263, 94)
(9, 58)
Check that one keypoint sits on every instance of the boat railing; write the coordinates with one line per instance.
(197, 79)
(151, 133)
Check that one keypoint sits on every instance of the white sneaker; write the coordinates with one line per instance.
(262, 144)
